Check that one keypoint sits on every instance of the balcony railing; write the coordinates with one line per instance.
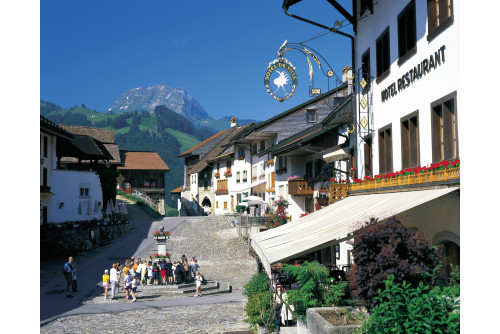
(338, 191)
(421, 178)
(300, 187)
(222, 191)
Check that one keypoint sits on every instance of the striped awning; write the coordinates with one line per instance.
(335, 223)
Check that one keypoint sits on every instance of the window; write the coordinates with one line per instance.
(365, 67)
(218, 167)
(409, 141)
(407, 32)
(262, 145)
(244, 176)
(228, 166)
(241, 152)
(368, 154)
(383, 55)
(45, 146)
(385, 149)
(217, 204)
(444, 128)
(439, 16)
(222, 185)
(254, 148)
(318, 167)
(309, 169)
(44, 177)
(364, 5)
(238, 177)
(84, 190)
(281, 162)
(225, 205)
(310, 115)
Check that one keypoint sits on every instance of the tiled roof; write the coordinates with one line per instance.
(103, 135)
(134, 160)
(206, 141)
(216, 151)
(177, 190)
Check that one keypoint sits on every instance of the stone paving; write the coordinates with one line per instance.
(222, 256)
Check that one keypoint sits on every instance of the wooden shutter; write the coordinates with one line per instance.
(367, 149)
(448, 130)
(436, 134)
(272, 180)
(381, 152)
(405, 144)
(388, 149)
(413, 128)
(431, 16)
(443, 11)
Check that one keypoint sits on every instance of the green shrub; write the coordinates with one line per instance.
(406, 309)
(316, 288)
(261, 307)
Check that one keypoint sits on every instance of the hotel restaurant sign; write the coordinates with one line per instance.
(415, 73)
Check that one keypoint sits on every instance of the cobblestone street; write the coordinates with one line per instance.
(222, 256)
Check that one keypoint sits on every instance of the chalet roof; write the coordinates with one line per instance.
(51, 128)
(142, 160)
(103, 135)
(341, 115)
(257, 126)
(82, 147)
(177, 190)
(215, 153)
(192, 150)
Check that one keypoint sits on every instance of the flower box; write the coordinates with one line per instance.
(162, 235)
(281, 170)
(262, 176)
(162, 256)
(244, 180)
(217, 175)
(241, 157)
(227, 174)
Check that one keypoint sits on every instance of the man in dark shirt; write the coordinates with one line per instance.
(68, 275)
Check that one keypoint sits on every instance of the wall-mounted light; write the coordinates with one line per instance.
(61, 205)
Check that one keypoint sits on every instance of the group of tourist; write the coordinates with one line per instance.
(135, 272)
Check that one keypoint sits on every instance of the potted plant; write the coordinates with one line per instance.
(161, 234)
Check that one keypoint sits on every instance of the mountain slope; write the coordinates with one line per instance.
(147, 98)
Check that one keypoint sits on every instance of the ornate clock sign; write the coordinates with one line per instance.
(280, 79)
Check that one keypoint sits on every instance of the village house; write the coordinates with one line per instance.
(143, 174)
(68, 195)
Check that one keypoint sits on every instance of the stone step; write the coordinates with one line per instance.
(288, 330)
(209, 286)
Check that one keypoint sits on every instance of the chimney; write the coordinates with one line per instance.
(233, 121)
(347, 76)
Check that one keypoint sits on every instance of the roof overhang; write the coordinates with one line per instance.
(337, 222)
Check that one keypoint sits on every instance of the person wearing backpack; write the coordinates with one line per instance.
(68, 275)
(155, 274)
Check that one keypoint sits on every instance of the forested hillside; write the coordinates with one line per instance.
(136, 130)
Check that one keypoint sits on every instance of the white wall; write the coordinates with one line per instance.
(437, 83)
(66, 187)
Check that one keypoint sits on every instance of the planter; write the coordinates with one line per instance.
(317, 320)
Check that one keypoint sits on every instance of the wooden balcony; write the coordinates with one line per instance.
(222, 192)
(338, 191)
(421, 179)
(300, 187)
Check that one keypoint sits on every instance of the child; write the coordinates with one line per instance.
(128, 283)
(150, 273)
(134, 288)
(199, 280)
(105, 283)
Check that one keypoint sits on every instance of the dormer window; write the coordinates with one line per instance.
(311, 115)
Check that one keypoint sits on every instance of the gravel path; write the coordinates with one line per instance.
(222, 256)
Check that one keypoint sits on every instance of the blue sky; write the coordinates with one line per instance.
(93, 51)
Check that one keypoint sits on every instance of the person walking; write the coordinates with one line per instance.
(113, 278)
(74, 287)
(199, 280)
(144, 270)
(68, 275)
(105, 283)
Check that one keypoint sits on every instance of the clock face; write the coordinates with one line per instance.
(280, 79)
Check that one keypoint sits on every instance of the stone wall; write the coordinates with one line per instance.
(74, 240)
